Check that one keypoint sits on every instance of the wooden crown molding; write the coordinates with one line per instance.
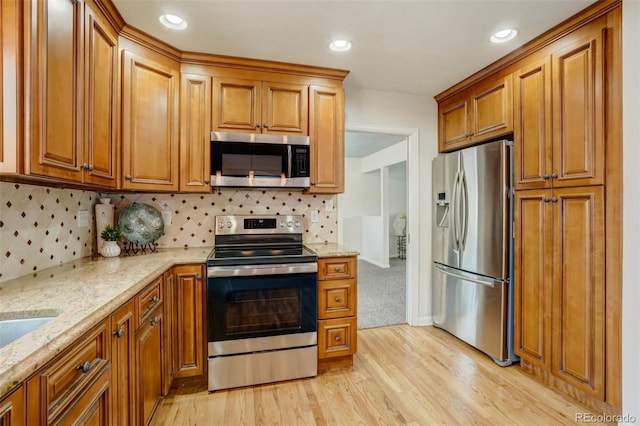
(591, 13)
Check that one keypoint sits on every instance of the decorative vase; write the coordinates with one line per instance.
(400, 226)
(110, 249)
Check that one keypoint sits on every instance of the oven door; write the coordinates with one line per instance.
(248, 303)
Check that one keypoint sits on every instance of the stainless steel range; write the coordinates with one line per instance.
(261, 302)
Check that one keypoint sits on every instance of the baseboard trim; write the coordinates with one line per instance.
(373, 262)
(422, 321)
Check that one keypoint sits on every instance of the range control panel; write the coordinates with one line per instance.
(278, 224)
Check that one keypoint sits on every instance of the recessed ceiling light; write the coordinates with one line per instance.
(173, 21)
(340, 45)
(503, 35)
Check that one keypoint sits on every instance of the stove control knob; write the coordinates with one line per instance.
(290, 224)
(229, 225)
(297, 224)
(221, 225)
(282, 224)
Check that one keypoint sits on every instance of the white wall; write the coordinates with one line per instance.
(631, 207)
(361, 191)
(398, 110)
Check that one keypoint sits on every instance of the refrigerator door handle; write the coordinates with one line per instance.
(464, 210)
(465, 277)
(454, 210)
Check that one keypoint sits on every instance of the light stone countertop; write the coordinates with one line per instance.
(331, 250)
(80, 294)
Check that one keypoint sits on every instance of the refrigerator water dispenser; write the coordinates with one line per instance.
(442, 210)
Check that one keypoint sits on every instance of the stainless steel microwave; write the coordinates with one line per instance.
(259, 160)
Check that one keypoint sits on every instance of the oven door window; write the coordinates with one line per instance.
(258, 306)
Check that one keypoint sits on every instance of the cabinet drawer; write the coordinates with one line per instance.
(63, 383)
(336, 299)
(148, 300)
(337, 268)
(337, 337)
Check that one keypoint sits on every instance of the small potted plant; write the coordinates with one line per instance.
(111, 235)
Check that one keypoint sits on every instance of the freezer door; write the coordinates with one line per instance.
(444, 243)
(473, 308)
(481, 213)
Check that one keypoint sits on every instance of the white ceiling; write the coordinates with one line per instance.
(420, 47)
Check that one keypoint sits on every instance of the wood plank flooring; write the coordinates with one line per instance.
(401, 375)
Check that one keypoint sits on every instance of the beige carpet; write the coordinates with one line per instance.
(381, 294)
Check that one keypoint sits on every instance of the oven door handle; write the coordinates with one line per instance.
(257, 270)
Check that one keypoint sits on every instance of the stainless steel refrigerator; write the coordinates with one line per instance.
(472, 295)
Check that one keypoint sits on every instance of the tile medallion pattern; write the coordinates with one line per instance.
(193, 215)
(39, 225)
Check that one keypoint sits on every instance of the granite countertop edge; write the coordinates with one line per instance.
(324, 250)
(82, 293)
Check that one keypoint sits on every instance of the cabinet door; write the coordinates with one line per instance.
(337, 337)
(149, 124)
(285, 108)
(492, 109)
(578, 109)
(236, 106)
(454, 127)
(326, 131)
(195, 136)
(149, 352)
(169, 331)
(11, 87)
(578, 288)
(93, 406)
(532, 276)
(189, 357)
(532, 126)
(12, 411)
(56, 86)
(100, 105)
(123, 365)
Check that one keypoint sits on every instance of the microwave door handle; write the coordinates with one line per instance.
(288, 161)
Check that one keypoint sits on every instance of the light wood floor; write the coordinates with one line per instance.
(401, 375)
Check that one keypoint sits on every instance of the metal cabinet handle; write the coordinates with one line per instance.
(84, 166)
(154, 299)
(85, 367)
(265, 126)
(337, 300)
(545, 177)
(337, 269)
(199, 277)
(554, 175)
(545, 199)
(257, 126)
(554, 200)
(206, 181)
(154, 321)
(90, 167)
(119, 332)
(128, 177)
(338, 338)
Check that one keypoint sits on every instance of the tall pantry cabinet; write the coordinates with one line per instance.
(567, 181)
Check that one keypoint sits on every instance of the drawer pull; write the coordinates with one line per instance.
(85, 367)
(338, 338)
(337, 269)
(154, 321)
(199, 277)
(337, 300)
(119, 332)
(155, 299)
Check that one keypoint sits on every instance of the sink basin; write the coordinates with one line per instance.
(20, 324)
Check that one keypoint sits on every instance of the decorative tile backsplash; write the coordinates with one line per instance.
(39, 225)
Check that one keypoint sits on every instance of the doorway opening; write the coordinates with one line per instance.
(374, 218)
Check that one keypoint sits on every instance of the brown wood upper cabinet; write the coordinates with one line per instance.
(195, 128)
(255, 106)
(482, 112)
(326, 132)
(73, 55)
(149, 122)
(565, 148)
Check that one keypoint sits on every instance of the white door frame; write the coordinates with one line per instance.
(413, 203)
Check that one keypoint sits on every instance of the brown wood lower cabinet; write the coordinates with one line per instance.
(337, 309)
(559, 276)
(123, 358)
(189, 335)
(12, 408)
(76, 386)
(149, 363)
